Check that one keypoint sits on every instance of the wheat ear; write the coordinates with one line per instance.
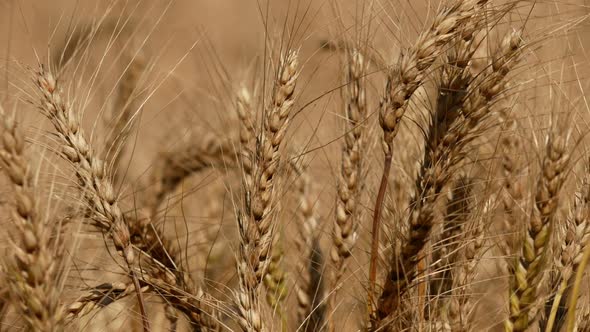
(33, 272)
(575, 242)
(451, 136)
(255, 221)
(453, 87)
(160, 281)
(344, 235)
(275, 279)
(512, 196)
(167, 275)
(311, 309)
(275, 282)
(530, 264)
(403, 80)
(99, 193)
(142, 233)
(458, 118)
(170, 169)
(100, 196)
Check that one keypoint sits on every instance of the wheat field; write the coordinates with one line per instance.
(302, 165)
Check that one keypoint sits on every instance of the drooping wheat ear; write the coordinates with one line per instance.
(311, 309)
(413, 64)
(462, 304)
(255, 221)
(99, 194)
(172, 167)
(162, 282)
(446, 257)
(403, 80)
(122, 115)
(33, 272)
(168, 276)
(99, 297)
(577, 236)
(530, 264)
(98, 191)
(454, 82)
(459, 117)
(349, 182)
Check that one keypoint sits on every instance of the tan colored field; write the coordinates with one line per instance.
(305, 165)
